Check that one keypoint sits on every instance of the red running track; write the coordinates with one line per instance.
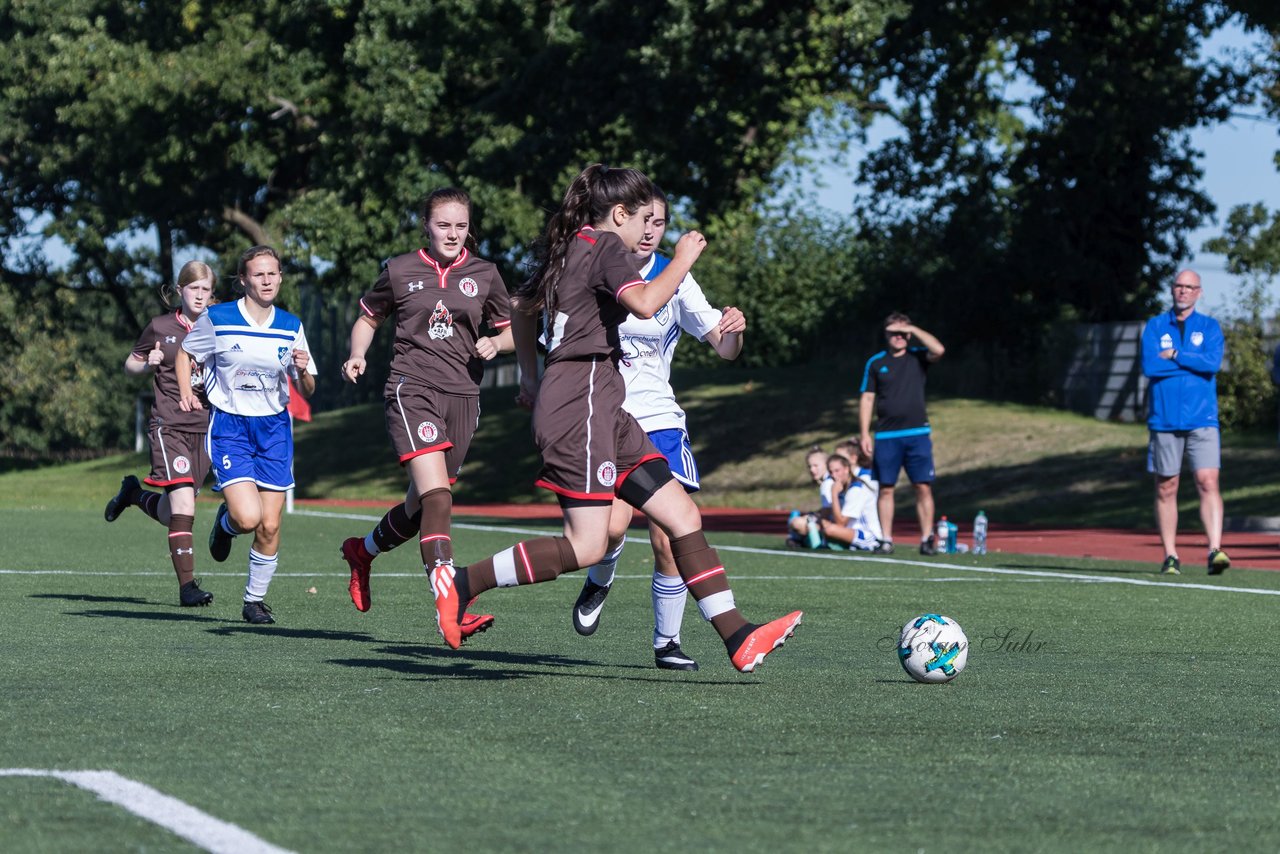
(1252, 550)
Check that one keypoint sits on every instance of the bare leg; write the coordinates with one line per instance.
(884, 505)
(1211, 511)
(1167, 513)
(924, 510)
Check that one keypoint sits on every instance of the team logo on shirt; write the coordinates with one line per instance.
(1197, 338)
(181, 465)
(469, 287)
(428, 432)
(607, 474)
(1166, 341)
(282, 353)
(664, 315)
(441, 325)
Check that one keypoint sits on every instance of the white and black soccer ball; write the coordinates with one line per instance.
(933, 648)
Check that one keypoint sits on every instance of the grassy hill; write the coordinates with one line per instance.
(751, 429)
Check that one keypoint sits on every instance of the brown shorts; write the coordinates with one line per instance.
(589, 443)
(177, 457)
(422, 420)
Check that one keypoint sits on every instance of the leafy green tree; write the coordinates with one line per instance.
(1246, 395)
(1044, 172)
(140, 133)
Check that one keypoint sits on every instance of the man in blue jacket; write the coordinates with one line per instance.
(1181, 355)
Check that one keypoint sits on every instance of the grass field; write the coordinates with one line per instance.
(1103, 707)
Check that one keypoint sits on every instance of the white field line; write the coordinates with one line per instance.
(178, 817)
(853, 556)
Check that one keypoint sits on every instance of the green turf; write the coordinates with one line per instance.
(1092, 715)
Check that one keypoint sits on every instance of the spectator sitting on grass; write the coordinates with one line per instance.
(798, 524)
(854, 522)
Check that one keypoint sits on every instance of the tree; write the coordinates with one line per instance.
(1045, 171)
(136, 132)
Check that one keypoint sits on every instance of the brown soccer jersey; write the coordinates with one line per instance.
(438, 315)
(170, 330)
(583, 314)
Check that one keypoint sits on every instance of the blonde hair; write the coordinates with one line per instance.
(191, 272)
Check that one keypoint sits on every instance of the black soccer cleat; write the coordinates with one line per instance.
(929, 546)
(191, 596)
(883, 547)
(219, 539)
(258, 613)
(1218, 562)
(672, 657)
(586, 611)
(122, 500)
(1171, 566)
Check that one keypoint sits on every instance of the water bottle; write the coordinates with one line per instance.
(815, 532)
(980, 533)
(941, 535)
(953, 533)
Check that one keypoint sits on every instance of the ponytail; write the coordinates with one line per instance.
(588, 200)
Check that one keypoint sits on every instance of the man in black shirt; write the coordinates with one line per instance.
(893, 388)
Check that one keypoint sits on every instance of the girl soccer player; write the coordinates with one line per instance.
(179, 459)
(648, 348)
(249, 347)
(441, 296)
(592, 449)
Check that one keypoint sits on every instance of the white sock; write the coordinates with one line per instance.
(370, 546)
(226, 525)
(602, 573)
(669, 595)
(261, 568)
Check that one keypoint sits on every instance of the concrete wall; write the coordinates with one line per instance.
(1105, 377)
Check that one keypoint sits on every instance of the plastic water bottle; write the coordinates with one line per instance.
(953, 533)
(980, 533)
(941, 535)
(815, 532)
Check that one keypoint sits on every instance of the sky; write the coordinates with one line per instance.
(1239, 168)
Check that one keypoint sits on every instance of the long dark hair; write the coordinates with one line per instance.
(444, 196)
(588, 200)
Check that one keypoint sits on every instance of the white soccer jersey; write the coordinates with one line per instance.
(246, 363)
(858, 504)
(648, 347)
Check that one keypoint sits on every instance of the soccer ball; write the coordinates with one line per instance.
(933, 648)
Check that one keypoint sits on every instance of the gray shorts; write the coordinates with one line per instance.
(1201, 446)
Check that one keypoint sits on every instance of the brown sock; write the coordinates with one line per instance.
(436, 545)
(180, 547)
(149, 502)
(395, 528)
(704, 575)
(528, 562)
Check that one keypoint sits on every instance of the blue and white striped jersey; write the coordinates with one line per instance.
(246, 363)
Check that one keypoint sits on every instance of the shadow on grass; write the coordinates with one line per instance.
(495, 665)
(88, 597)
(277, 630)
(183, 616)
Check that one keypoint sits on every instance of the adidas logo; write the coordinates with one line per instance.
(235, 348)
(442, 580)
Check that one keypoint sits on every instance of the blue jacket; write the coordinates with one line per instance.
(1183, 393)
